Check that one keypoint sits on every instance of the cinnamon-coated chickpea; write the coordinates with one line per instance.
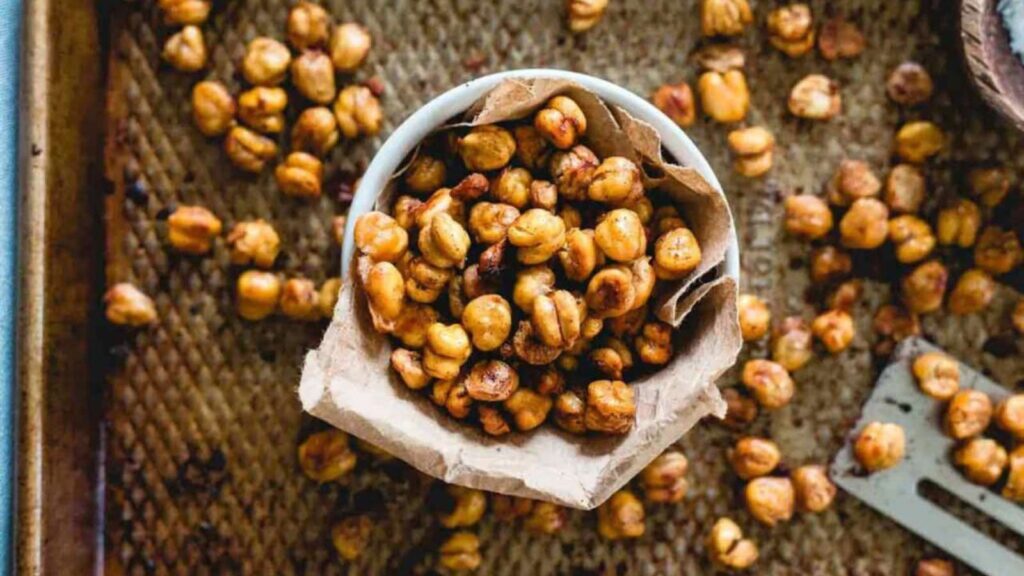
(532, 149)
(912, 238)
(792, 343)
(989, 185)
(770, 500)
(676, 254)
(755, 317)
(1014, 488)
(486, 148)
(958, 224)
(610, 292)
(425, 174)
(425, 282)
(768, 382)
(128, 306)
(186, 50)
(1009, 415)
(409, 366)
(488, 319)
(556, 319)
(191, 229)
(249, 150)
(905, 189)
(834, 329)
(865, 225)
(351, 535)
(545, 518)
(753, 148)
(443, 241)
(213, 108)
(181, 12)
(313, 76)
(918, 141)
(349, 45)
(315, 131)
(616, 182)
(531, 282)
(664, 479)
(468, 507)
(620, 236)
(513, 187)
(326, 456)
(257, 294)
(266, 62)
(727, 547)
(753, 457)
(385, 289)
(380, 237)
(309, 26)
(460, 552)
(972, 293)
(528, 408)
(982, 460)
(611, 407)
(572, 171)
(491, 381)
(852, 181)
(654, 344)
(676, 101)
(814, 490)
(580, 255)
(925, 287)
(561, 122)
(937, 375)
(724, 96)
(489, 222)
(447, 349)
(622, 516)
(538, 235)
(807, 216)
(570, 409)
(299, 299)
(815, 97)
(358, 112)
(327, 300)
(453, 397)
(411, 325)
(968, 414)
(300, 175)
(998, 251)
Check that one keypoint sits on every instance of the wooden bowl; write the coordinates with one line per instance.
(996, 71)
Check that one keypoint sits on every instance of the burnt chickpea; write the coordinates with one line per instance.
(728, 548)
(313, 76)
(834, 329)
(425, 174)
(1014, 488)
(865, 225)
(512, 187)
(181, 12)
(676, 101)
(664, 479)
(572, 171)
(409, 366)
(545, 518)
(998, 251)
(309, 26)
(925, 287)
(622, 516)
(385, 290)
(315, 131)
(411, 325)
(580, 255)
(257, 294)
(191, 229)
(489, 222)
(556, 319)
(879, 446)
(528, 408)
(934, 567)
(185, 51)
(262, 108)
(852, 181)
(830, 264)
(486, 148)
(358, 112)
(755, 317)
(724, 96)
(570, 409)
(620, 236)
(768, 382)
(968, 414)
(351, 535)
(676, 254)
(753, 149)
(972, 293)
(912, 238)
(530, 283)
(792, 343)
(326, 456)
(1009, 415)
(126, 305)
(815, 97)
(918, 141)
(616, 181)
(654, 344)
(807, 216)
(538, 235)
(958, 224)
(740, 410)
(443, 241)
(724, 17)
(754, 457)
(488, 320)
(582, 15)
(447, 349)
(611, 407)
(266, 62)
(905, 189)
(561, 122)
(468, 507)
(349, 45)
(300, 175)
(814, 490)
(989, 185)
(380, 237)
(610, 292)
(460, 552)
(909, 84)
(791, 29)
(249, 150)
(982, 460)
(213, 108)
(770, 500)
(937, 375)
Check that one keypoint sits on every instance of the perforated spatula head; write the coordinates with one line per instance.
(896, 492)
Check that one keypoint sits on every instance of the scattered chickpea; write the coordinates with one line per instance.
(676, 101)
(248, 150)
(918, 141)
(622, 516)
(865, 224)
(807, 216)
(545, 518)
(814, 490)
(905, 189)
(791, 29)
(1009, 415)
(834, 329)
(720, 57)
(894, 324)
(572, 171)
(840, 38)
(792, 343)
(727, 547)
(968, 414)
(313, 76)
(753, 148)
(507, 508)
(351, 535)
(852, 181)
(959, 224)
(309, 26)
(349, 46)
(912, 238)
(262, 108)
(925, 287)
(937, 375)
(129, 306)
(770, 500)
(191, 229)
(528, 408)
(300, 175)
(880, 446)
(1014, 487)
(909, 84)
(830, 264)
(845, 295)
(755, 317)
(815, 97)
(299, 299)
(997, 251)
(972, 293)
(583, 15)
(213, 108)
(460, 552)
(934, 567)
(989, 185)
(326, 456)
(254, 242)
(740, 411)
(561, 122)
(610, 407)
(768, 382)
(754, 457)
(616, 181)
(186, 50)
(664, 479)
(724, 17)
(266, 62)
(982, 460)
(257, 294)
(184, 12)
(327, 299)
(724, 96)
(468, 507)
(358, 112)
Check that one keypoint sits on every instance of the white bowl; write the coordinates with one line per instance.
(458, 99)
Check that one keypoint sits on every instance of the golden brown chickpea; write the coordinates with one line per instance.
(834, 329)
(425, 174)
(580, 255)
(409, 366)
(550, 381)
(754, 457)
(791, 30)
(958, 225)
(925, 287)
(918, 141)
(358, 112)
(909, 84)
(937, 375)
(997, 251)
(300, 175)
(972, 293)
(610, 292)
(491, 381)
(411, 325)
(816, 97)
(471, 188)
(724, 17)
(727, 547)
(326, 456)
(1009, 415)
(720, 57)
(545, 518)
(309, 26)
(532, 150)
(613, 359)
(894, 324)
(620, 236)
(724, 96)
(830, 264)
(186, 50)
(770, 500)
(530, 283)
(406, 210)
(213, 108)
(676, 254)
(191, 229)
(807, 216)
(447, 349)
(380, 237)
(622, 516)
(865, 224)
(538, 235)
(569, 412)
(572, 171)
(488, 319)
(912, 238)
(561, 122)
(313, 76)
(616, 181)
(266, 62)
(330, 290)
(753, 149)
(248, 150)
(424, 282)
(610, 407)
(1014, 488)
(443, 241)
(814, 490)
(768, 382)
(792, 344)
(664, 479)
(852, 181)
(528, 408)
(129, 306)
(350, 44)
(441, 201)
(583, 15)
(351, 535)
(676, 101)
(254, 242)
(299, 299)
(468, 507)
(934, 567)
(315, 131)
(982, 460)
(556, 319)
(182, 12)
(879, 446)
(385, 290)
(740, 410)
(840, 38)
(755, 317)
(989, 185)
(845, 295)
(460, 552)
(905, 189)
(654, 345)
(968, 414)
(257, 294)
(262, 108)
(486, 148)
(644, 209)
(512, 187)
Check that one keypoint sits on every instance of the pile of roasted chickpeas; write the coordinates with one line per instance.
(515, 271)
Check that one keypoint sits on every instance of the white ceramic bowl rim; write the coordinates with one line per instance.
(458, 99)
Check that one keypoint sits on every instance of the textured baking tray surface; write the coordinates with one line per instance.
(202, 415)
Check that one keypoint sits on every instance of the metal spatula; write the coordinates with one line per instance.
(895, 492)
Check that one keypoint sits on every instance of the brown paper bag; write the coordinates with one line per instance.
(348, 383)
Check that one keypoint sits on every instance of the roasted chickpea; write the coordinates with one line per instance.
(611, 292)
(753, 149)
(676, 254)
(191, 229)
(829, 264)
(989, 185)
(351, 535)
(530, 283)
(512, 187)
(909, 84)
(894, 324)
(740, 410)
(937, 375)
(753, 457)
(561, 122)
(664, 479)
(1009, 415)
(468, 507)
(488, 319)
(411, 325)
(852, 181)
(816, 97)
(266, 62)
(622, 516)
(441, 201)
(792, 344)
(299, 299)
(127, 305)
(727, 547)
(934, 567)
(1014, 488)
(834, 329)
(968, 414)
(213, 108)
(528, 408)
(807, 216)
(580, 255)
(791, 30)
(865, 224)
(583, 15)
(508, 508)
(471, 187)
(257, 294)
(958, 225)
(460, 552)
(309, 26)
(840, 38)
(912, 238)
(676, 101)
(531, 148)
(358, 112)
(972, 293)
(248, 150)
(453, 397)
(425, 174)
(724, 17)
(925, 287)
(982, 460)
(300, 175)
(905, 189)
(610, 407)
(997, 251)
(918, 141)
(613, 359)
(538, 235)
(447, 349)
(326, 456)
(313, 76)
(755, 317)
(262, 108)
(409, 366)
(724, 96)
(486, 148)
(315, 131)
(569, 412)
(768, 382)
(770, 500)
(327, 300)
(545, 518)
(814, 490)
(350, 44)
(720, 57)
(644, 209)
(385, 289)
(556, 319)
(186, 50)
(443, 241)
(406, 210)
(183, 12)
(654, 345)
(254, 242)
(620, 236)
(492, 421)
(550, 381)
(845, 295)
(616, 181)
(424, 282)
(572, 171)
(380, 237)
